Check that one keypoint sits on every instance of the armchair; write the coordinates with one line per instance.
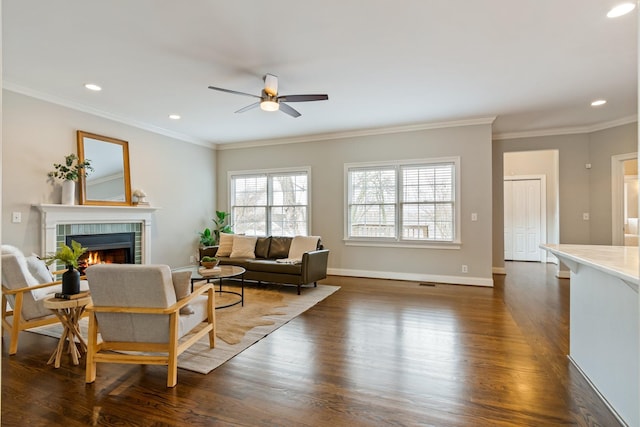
(145, 308)
(26, 282)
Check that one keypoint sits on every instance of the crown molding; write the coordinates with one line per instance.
(358, 133)
(12, 87)
(568, 130)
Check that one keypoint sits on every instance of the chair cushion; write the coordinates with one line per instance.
(225, 245)
(182, 285)
(132, 285)
(39, 270)
(243, 247)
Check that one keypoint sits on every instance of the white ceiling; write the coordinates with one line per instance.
(533, 64)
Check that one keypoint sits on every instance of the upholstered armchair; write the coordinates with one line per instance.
(148, 309)
(26, 282)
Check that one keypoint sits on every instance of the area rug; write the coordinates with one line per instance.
(266, 308)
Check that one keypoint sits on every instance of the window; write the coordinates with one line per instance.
(402, 201)
(267, 203)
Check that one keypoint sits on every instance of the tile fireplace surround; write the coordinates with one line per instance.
(112, 217)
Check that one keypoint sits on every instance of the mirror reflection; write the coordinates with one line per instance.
(109, 183)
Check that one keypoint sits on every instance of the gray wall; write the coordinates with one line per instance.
(603, 145)
(178, 177)
(327, 159)
(581, 189)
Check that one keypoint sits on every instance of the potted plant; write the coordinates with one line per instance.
(207, 238)
(221, 225)
(69, 172)
(69, 257)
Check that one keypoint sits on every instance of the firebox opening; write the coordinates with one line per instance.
(116, 248)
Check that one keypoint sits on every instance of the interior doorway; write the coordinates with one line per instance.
(524, 221)
(532, 169)
(624, 199)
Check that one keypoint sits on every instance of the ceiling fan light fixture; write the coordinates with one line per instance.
(267, 105)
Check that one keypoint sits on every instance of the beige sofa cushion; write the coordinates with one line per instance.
(243, 247)
(302, 244)
(225, 245)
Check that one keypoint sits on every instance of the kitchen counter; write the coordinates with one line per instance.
(604, 329)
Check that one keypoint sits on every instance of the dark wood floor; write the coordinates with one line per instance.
(375, 353)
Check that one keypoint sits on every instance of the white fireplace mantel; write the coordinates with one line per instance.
(54, 215)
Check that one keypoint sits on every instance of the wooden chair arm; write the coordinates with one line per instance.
(152, 310)
(7, 291)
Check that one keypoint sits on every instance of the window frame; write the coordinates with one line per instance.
(231, 175)
(398, 240)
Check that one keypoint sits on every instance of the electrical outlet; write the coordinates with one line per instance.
(585, 216)
(16, 217)
(192, 259)
(474, 216)
(465, 269)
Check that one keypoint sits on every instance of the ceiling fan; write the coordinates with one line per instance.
(270, 100)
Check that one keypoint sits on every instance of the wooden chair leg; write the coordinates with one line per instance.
(15, 324)
(172, 368)
(92, 348)
(211, 316)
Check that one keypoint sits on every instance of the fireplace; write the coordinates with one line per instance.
(109, 248)
(62, 223)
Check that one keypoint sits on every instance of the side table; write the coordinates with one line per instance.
(69, 312)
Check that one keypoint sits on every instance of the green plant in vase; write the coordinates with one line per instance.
(207, 238)
(221, 225)
(69, 172)
(68, 256)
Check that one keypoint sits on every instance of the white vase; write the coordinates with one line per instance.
(68, 192)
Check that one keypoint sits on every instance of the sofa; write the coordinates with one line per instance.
(299, 260)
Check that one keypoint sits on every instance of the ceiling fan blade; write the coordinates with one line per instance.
(233, 91)
(288, 110)
(248, 107)
(302, 98)
(271, 84)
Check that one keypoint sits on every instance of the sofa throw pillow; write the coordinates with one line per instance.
(262, 247)
(302, 244)
(243, 247)
(279, 247)
(182, 286)
(225, 245)
(39, 270)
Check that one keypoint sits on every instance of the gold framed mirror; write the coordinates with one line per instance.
(109, 184)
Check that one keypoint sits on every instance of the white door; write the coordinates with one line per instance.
(522, 220)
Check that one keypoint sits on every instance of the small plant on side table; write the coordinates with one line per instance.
(69, 257)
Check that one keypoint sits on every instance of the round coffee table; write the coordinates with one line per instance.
(225, 272)
(69, 311)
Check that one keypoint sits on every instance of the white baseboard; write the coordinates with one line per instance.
(413, 277)
(499, 270)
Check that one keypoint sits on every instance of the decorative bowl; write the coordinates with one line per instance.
(209, 264)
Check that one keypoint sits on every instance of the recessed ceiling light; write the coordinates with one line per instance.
(598, 102)
(174, 116)
(93, 87)
(621, 9)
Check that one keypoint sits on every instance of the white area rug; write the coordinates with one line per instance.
(266, 315)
